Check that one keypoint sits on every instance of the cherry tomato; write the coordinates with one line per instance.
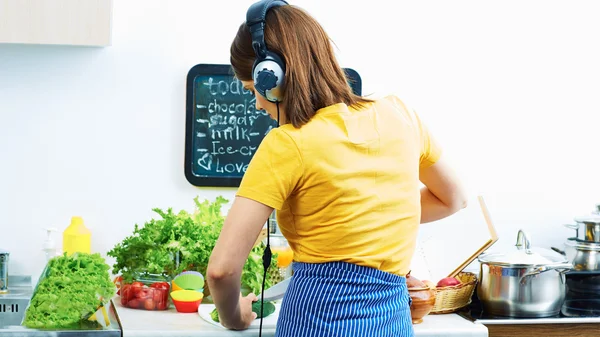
(160, 285)
(134, 303)
(158, 295)
(125, 294)
(144, 293)
(135, 288)
(149, 304)
(162, 305)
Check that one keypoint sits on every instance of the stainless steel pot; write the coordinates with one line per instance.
(584, 256)
(587, 228)
(525, 283)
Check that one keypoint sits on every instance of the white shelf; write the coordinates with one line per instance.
(60, 22)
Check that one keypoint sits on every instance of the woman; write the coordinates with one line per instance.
(343, 173)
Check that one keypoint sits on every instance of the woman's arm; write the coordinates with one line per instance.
(442, 195)
(242, 226)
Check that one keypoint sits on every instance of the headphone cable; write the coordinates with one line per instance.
(267, 256)
(266, 263)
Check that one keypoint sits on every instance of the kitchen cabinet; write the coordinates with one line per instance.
(545, 330)
(56, 22)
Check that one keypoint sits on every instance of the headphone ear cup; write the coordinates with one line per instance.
(269, 74)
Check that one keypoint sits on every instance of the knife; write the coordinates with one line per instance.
(277, 291)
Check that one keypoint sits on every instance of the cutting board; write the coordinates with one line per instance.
(269, 322)
(445, 247)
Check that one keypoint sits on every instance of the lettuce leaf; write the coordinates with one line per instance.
(181, 241)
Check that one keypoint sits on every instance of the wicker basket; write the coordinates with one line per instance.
(451, 299)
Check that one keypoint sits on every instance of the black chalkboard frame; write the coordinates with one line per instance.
(222, 69)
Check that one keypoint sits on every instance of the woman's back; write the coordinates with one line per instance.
(349, 183)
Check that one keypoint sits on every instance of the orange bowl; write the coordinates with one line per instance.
(175, 286)
(187, 307)
(186, 301)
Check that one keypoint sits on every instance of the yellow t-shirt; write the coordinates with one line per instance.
(346, 184)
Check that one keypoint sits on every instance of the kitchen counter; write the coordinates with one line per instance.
(545, 328)
(136, 323)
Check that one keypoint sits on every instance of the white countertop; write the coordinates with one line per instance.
(135, 322)
(449, 325)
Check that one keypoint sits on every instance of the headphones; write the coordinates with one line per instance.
(268, 71)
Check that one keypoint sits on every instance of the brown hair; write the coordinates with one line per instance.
(313, 77)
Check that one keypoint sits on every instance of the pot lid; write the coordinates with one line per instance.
(524, 255)
(593, 218)
(536, 257)
(583, 245)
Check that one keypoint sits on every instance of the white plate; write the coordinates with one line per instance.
(269, 322)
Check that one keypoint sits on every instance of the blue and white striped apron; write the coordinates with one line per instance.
(344, 299)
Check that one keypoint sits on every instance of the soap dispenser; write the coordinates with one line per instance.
(49, 244)
(77, 238)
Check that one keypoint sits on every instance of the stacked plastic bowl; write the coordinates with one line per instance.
(187, 291)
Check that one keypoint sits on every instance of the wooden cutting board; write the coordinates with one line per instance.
(447, 246)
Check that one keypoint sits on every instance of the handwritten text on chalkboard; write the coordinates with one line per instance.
(228, 127)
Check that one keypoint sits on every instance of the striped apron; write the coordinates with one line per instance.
(344, 299)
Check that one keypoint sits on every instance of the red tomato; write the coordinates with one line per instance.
(159, 295)
(134, 303)
(144, 293)
(160, 285)
(125, 294)
(149, 304)
(162, 305)
(135, 288)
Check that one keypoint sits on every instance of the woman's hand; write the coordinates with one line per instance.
(246, 314)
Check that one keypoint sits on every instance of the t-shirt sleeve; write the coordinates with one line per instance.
(430, 150)
(274, 171)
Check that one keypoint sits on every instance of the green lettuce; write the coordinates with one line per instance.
(69, 291)
(176, 242)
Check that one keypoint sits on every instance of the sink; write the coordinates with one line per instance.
(14, 303)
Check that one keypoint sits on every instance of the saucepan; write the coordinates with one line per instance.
(526, 282)
(587, 228)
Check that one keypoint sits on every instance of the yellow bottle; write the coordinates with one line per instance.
(77, 238)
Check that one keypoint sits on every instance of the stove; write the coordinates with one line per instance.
(474, 313)
(577, 308)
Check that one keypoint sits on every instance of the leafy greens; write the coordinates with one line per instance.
(182, 241)
(69, 291)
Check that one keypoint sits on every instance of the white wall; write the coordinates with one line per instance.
(510, 88)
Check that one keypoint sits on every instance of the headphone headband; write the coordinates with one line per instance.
(255, 20)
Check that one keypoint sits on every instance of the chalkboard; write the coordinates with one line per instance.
(223, 127)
